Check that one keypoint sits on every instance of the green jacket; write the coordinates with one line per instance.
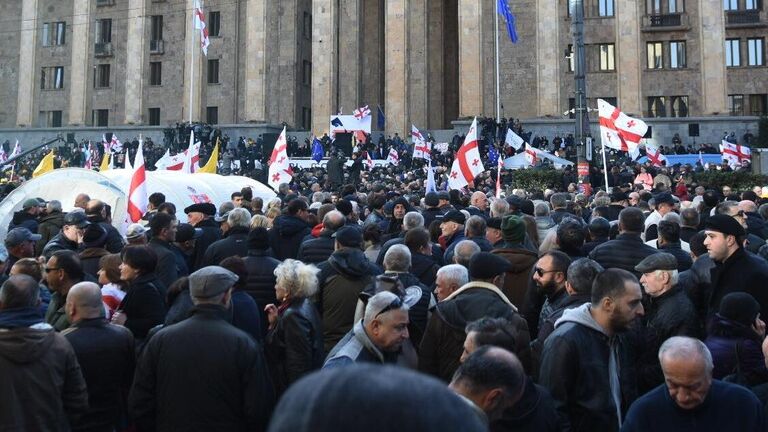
(56, 316)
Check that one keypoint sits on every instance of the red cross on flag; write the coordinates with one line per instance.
(618, 130)
(368, 161)
(654, 155)
(393, 157)
(421, 148)
(199, 19)
(362, 112)
(734, 154)
(137, 192)
(467, 163)
(531, 154)
(279, 164)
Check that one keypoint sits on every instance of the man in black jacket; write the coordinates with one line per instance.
(261, 270)
(71, 235)
(164, 227)
(96, 212)
(235, 242)
(316, 250)
(230, 389)
(627, 249)
(201, 216)
(289, 229)
(586, 365)
(106, 355)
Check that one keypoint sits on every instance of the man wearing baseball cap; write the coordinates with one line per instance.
(214, 375)
(71, 235)
(27, 216)
(735, 268)
(20, 243)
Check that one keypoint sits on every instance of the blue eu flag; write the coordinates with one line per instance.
(509, 18)
(493, 155)
(317, 150)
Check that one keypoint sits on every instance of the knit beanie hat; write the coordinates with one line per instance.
(740, 307)
(513, 229)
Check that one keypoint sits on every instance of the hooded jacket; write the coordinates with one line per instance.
(42, 386)
(589, 374)
(543, 225)
(286, 235)
(341, 280)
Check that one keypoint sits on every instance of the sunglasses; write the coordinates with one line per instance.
(397, 303)
(542, 272)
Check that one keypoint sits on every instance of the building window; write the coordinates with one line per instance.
(103, 31)
(655, 55)
(54, 33)
(752, 4)
(656, 106)
(730, 5)
(307, 26)
(49, 119)
(736, 104)
(101, 76)
(213, 71)
(758, 104)
(155, 73)
(607, 57)
(675, 6)
(306, 118)
(732, 57)
(212, 115)
(52, 78)
(156, 30)
(679, 106)
(755, 50)
(154, 116)
(605, 8)
(214, 23)
(653, 7)
(100, 117)
(677, 55)
(307, 73)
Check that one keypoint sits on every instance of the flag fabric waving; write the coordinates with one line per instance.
(200, 25)
(734, 154)
(498, 177)
(618, 130)
(105, 162)
(381, 119)
(654, 155)
(493, 154)
(317, 150)
(16, 150)
(393, 157)
(431, 185)
(45, 165)
(279, 164)
(509, 19)
(531, 154)
(421, 147)
(213, 161)
(137, 192)
(191, 156)
(362, 112)
(514, 140)
(467, 163)
(368, 160)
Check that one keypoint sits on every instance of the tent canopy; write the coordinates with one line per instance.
(111, 186)
(519, 161)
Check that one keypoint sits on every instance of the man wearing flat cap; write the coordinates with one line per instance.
(669, 313)
(442, 344)
(736, 269)
(200, 216)
(203, 373)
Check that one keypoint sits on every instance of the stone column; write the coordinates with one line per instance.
(628, 56)
(78, 70)
(28, 70)
(435, 59)
(470, 58)
(255, 62)
(350, 58)
(396, 68)
(324, 64)
(547, 56)
(372, 56)
(192, 45)
(136, 49)
(419, 79)
(713, 70)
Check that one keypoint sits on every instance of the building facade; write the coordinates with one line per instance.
(74, 63)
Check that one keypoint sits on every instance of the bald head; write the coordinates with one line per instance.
(82, 200)
(479, 200)
(84, 302)
(748, 206)
(20, 291)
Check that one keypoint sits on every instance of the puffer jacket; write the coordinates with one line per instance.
(286, 235)
(624, 252)
(318, 249)
(261, 279)
(733, 344)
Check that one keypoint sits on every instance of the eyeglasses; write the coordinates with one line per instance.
(50, 269)
(542, 272)
(397, 303)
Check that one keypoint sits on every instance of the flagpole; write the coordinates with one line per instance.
(498, 84)
(605, 169)
(192, 63)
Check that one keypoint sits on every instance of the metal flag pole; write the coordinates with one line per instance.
(192, 63)
(498, 83)
(605, 167)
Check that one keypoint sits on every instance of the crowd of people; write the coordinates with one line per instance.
(356, 301)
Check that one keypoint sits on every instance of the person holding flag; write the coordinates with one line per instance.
(279, 164)
(467, 164)
(137, 191)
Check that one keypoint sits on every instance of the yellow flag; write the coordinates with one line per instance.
(46, 165)
(104, 162)
(213, 161)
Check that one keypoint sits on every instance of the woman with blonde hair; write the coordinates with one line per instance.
(294, 344)
(271, 214)
(260, 221)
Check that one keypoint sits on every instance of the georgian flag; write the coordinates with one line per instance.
(531, 154)
(654, 155)
(16, 150)
(279, 164)
(362, 112)
(393, 157)
(618, 130)
(137, 192)
(467, 163)
(421, 148)
(368, 160)
(199, 19)
(734, 153)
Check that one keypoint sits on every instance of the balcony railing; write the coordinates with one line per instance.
(156, 47)
(103, 49)
(742, 17)
(666, 20)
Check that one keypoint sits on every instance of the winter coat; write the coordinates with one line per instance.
(534, 412)
(341, 280)
(115, 242)
(543, 225)
(211, 233)
(357, 347)
(557, 307)
(516, 280)
(450, 245)
(286, 235)
(318, 249)
(42, 386)
(424, 268)
(261, 279)
(294, 347)
(234, 244)
(624, 252)
(49, 226)
(443, 341)
(732, 344)
(741, 272)
(576, 368)
(201, 374)
(166, 270)
(57, 243)
(22, 219)
(430, 214)
(89, 259)
(684, 260)
(143, 305)
(106, 354)
(56, 316)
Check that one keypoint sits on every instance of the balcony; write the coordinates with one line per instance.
(666, 22)
(744, 19)
(156, 47)
(103, 49)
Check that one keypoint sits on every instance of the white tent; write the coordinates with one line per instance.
(111, 186)
(519, 161)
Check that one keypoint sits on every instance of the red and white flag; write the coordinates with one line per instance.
(393, 157)
(16, 150)
(531, 154)
(137, 192)
(498, 178)
(200, 25)
(467, 163)
(734, 154)
(654, 155)
(190, 159)
(279, 164)
(362, 112)
(421, 147)
(368, 160)
(618, 130)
